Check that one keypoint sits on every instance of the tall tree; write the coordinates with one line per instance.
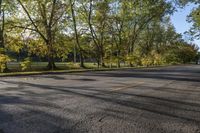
(2, 24)
(2, 35)
(96, 13)
(72, 6)
(44, 20)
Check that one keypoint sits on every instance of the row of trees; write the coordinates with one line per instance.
(136, 32)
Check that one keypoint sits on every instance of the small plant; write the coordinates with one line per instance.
(26, 64)
(147, 61)
(133, 59)
(3, 60)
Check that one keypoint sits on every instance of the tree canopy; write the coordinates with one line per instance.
(104, 32)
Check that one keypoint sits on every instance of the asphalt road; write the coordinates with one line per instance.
(154, 100)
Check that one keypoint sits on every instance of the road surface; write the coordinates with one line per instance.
(154, 100)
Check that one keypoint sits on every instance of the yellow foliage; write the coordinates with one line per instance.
(147, 61)
(26, 64)
(134, 59)
(3, 60)
(152, 59)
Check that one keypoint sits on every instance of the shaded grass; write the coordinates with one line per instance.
(56, 71)
(38, 68)
(41, 66)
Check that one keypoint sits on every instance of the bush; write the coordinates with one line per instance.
(153, 59)
(26, 64)
(3, 60)
(133, 59)
(147, 61)
(158, 59)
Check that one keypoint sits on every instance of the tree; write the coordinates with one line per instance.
(106, 32)
(72, 4)
(44, 21)
(4, 57)
(194, 18)
(96, 16)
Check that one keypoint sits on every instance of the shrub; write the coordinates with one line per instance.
(133, 59)
(26, 64)
(147, 61)
(3, 60)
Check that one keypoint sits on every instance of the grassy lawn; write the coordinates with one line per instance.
(40, 68)
(62, 67)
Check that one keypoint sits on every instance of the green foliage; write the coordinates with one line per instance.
(158, 59)
(134, 59)
(3, 60)
(197, 57)
(153, 59)
(26, 64)
(181, 53)
(147, 61)
(107, 32)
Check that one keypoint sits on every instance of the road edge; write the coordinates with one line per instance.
(30, 73)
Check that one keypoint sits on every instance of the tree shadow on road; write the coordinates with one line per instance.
(161, 74)
(26, 114)
(157, 105)
(172, 108)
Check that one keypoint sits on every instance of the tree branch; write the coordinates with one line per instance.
(35, 26)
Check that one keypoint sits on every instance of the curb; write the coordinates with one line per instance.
(18, 74)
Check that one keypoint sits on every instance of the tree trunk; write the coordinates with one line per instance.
(76, 34)
(118, 53)
(51, 61)
(2, 34)
(98, 63)
(118, 59)
(102, 57)
(102, 62)
(81, 60)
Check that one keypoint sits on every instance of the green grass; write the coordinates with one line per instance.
(70, 69)
(40, 68)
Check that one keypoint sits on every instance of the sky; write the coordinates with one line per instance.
(179, 20)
